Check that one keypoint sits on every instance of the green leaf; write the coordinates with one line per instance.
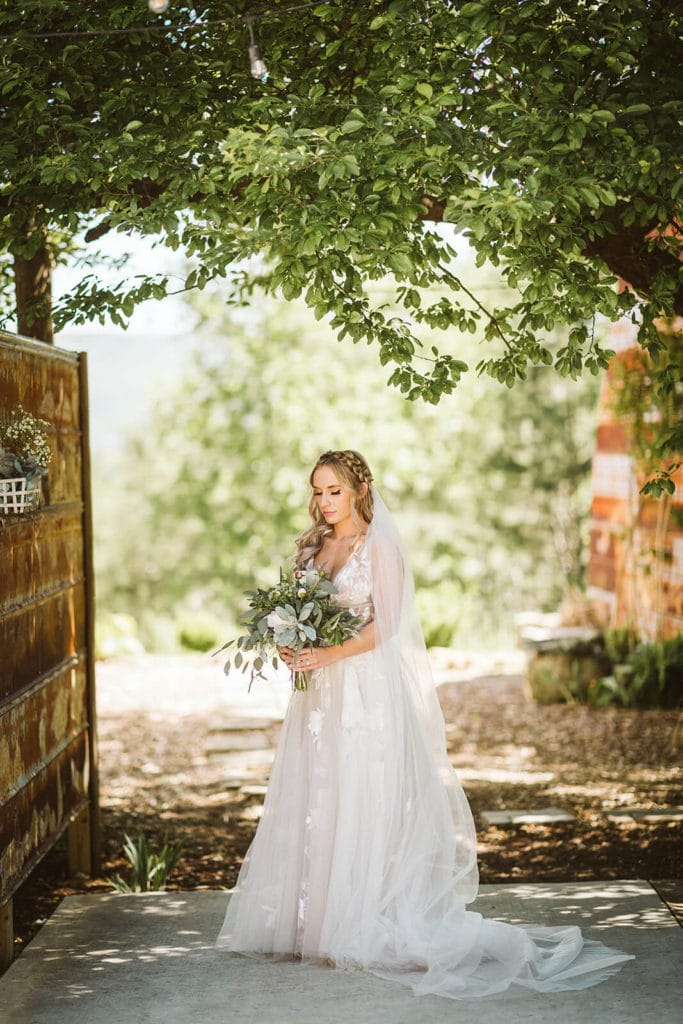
(351, 126)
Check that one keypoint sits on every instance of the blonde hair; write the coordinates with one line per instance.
(352, 472)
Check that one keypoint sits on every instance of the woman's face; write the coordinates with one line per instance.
(332, 497)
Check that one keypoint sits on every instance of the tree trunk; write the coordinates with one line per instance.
(33, 287)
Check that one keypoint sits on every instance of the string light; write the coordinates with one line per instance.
(258, 67)
(189, 26)
(158, 6)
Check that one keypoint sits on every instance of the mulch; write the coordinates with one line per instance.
(156, 777)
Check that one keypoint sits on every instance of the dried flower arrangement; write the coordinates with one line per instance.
(24, 457)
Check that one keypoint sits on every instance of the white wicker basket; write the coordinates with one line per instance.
(16, 497)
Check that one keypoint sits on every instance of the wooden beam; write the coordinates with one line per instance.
(89, 573)
(79, 844)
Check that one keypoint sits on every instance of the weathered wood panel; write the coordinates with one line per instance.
(40, 636)
(47, 385)
(41, 378)
(47, 702)
(34, 728)
(37, 814)
(40, 551)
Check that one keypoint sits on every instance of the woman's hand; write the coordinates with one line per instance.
(287, 655)
(312, 658)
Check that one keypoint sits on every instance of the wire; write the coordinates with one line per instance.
(166, 27)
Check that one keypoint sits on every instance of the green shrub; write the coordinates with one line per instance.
(200, 631)
(649, 676)
(149, 870)
(438, 615)
(657, 680)
(620, 642)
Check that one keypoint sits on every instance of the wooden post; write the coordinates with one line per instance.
(6, 935)
(80, 844)
(94, 838)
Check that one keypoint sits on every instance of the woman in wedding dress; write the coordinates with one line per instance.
(365, 855)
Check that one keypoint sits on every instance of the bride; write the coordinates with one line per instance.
(365, 855)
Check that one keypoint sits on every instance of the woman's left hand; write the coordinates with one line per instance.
(312, 658)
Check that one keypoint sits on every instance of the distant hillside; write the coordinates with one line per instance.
(126, 372)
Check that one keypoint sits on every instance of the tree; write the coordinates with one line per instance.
(548, 131)
(490, 487)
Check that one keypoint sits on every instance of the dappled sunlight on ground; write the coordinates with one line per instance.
(168, 764)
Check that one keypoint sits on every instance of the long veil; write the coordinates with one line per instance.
(401, 657)
(430, 941)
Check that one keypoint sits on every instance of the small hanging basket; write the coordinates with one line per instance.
(16, 497)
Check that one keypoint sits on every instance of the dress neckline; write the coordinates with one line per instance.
(357, 549)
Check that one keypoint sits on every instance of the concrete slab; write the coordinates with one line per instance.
(150, 959)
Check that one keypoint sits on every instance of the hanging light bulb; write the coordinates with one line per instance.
(157, 6)
(258, 67)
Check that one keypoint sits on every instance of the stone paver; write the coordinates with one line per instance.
(244, 764)
(671, 891)
(247, 739)
(150, 959)
(541, 816)
(244, 722)
(653, 814)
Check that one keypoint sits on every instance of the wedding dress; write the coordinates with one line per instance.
(365, 855)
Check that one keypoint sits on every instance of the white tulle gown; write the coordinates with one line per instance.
(365, 853)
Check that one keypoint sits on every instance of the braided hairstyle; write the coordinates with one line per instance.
(352, 471)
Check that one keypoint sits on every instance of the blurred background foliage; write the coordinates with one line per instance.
(491, 488)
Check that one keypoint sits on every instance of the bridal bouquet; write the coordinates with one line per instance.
(300, 611)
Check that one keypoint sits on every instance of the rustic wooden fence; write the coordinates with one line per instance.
(48, 760)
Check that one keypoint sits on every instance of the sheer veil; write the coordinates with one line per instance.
(401, 657)
(430, 941)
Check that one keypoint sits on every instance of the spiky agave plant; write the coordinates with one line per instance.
(149, 870)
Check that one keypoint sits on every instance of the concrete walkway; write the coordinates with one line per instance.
(150, 959)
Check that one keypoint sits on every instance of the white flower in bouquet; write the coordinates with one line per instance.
(300, 611)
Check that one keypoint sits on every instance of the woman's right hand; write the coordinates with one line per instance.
(287, 655)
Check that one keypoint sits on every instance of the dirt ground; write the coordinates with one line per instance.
(157, 724)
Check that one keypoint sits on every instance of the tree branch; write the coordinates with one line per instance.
(146, 191)
(628, 254)
(625, 250)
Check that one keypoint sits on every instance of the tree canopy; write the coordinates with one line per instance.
(548, 131)
(491, 488)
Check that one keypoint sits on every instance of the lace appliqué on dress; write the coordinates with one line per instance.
(315, 724)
